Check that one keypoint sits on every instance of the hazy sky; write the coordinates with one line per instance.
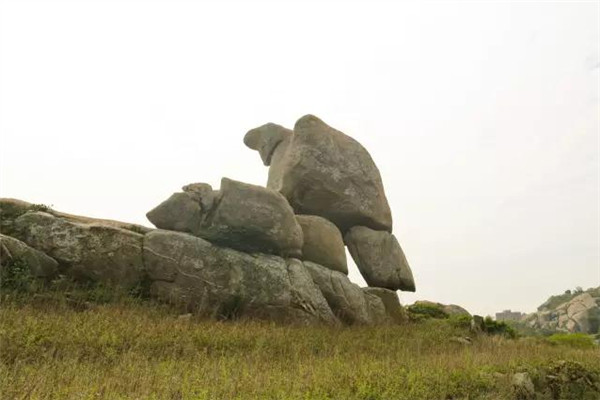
(482, 118)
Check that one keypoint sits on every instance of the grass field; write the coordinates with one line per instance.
(130, 349)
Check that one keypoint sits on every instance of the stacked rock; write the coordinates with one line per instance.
(324, 173)
(246, 251)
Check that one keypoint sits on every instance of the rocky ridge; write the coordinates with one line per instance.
(580, 313)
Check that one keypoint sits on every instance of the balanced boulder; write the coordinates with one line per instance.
(322, 171)
(224, 283)
(379, 258)
(323, 243)
(239, 215)
(265, 140)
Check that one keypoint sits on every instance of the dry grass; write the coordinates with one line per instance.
(136, 350)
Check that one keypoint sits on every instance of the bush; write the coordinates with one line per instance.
(461, 320)
(576, 340)
(16, 276)
(499, 328)
(428, 311)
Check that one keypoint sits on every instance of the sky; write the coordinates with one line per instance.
(483, 119)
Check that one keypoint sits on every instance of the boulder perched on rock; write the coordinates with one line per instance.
(265, 140)
(323, 243)
(225, 283)
(380, 259)
(391, 302)
(239, 215)
(321, 171)
(39, 264)
(93, 251)
(346, 299)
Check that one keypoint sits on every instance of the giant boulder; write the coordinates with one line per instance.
(241, 216)
(380, 259)
(322, 171)
(323, 243)
(224, 283)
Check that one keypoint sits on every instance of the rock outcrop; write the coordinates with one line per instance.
(223, 283)
(241, 216)
(323, 243)
(192, 273)
(243, 251)
(581, 313)
(322, 171)
(379, 258)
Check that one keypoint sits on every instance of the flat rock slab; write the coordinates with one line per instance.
(380, 259)
(93, 252)
(323, 243)
(224, 283)
(322, 171)
(241, 216)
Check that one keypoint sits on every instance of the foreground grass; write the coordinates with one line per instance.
(133, 349)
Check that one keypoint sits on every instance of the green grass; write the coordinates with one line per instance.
(52, 347)
(576, 340)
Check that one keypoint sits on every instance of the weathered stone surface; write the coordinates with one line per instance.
(323, 243)
(380, 259)
(376, 309)
(241, 216)
(11, 209)
(345, 298)
(93, 251)
(225, 283)
(265, 140)
(579, 314)
(391, 302)
(40, 265)
(322, 171)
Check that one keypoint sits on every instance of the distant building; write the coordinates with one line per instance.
(508, 315)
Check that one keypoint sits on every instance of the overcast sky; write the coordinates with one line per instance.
(482, 118)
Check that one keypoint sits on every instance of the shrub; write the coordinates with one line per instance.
(461, 320)
(498, 328)
(576, 340)
(16, 276)
(428, 311)
(40, 207)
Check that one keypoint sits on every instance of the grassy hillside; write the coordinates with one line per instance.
(53, 347)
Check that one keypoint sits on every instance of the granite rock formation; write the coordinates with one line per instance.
(322, 171)
(243, 251)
